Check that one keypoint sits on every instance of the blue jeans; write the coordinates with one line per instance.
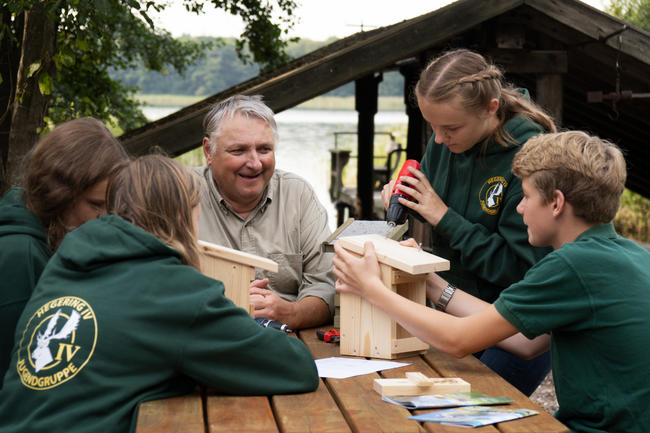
(525, 375)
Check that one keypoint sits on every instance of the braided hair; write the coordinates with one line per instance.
(466, 74)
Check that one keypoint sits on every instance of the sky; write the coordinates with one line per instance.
(318, 19)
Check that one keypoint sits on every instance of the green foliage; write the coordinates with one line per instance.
(221, 68)
(95, 39)
(636, 12)
(633, 217)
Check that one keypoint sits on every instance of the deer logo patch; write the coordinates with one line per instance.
(57, 343)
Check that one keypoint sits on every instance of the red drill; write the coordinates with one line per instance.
(396, 213)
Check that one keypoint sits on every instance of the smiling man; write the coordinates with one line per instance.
(250, 206)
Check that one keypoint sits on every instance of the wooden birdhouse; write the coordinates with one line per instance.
(236, 269)
(365, 329)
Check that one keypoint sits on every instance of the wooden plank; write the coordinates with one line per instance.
(236, 256)
(236, 278)
(390, 252)
(233, 414)
(314, 412)
(485, 380)
(182, 414)
(363, 409)
(418, 364)
(407, 386)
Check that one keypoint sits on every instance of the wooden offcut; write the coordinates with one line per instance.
(365, 329)
(419, 384)
(235, 269)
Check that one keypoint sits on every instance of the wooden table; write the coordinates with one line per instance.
(338, 405)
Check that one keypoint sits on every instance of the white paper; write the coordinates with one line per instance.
(341, 368)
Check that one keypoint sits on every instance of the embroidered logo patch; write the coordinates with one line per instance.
(491, 194)
(57, 342)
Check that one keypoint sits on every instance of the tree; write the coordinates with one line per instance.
(56, 55)
(636, 12)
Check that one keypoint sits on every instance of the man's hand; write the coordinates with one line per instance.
(307, 312)
(268, 304)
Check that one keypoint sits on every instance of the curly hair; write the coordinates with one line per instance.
(589, 171)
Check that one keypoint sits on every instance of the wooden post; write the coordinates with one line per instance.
(365, 95)
(549, 95)
(235, 269)
(365, 329)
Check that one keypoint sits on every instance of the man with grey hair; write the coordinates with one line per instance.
(249, 206)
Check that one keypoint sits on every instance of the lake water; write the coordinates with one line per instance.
(306, 136)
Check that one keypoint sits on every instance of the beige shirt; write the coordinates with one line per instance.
(287, 226)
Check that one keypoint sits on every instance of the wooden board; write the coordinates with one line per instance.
(171, 415)
(406, 386)
(225, 414)
(390, 252)
(237, 256)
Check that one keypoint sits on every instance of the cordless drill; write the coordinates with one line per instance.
(397, 213)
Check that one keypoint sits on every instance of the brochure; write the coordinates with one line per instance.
(446, 400)
(474, 416)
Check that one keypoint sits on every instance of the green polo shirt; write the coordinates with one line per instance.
(287, 226)
(593, 296)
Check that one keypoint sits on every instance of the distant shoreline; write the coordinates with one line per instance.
(385, 103)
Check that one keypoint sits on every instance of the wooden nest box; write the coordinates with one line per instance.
(365, 329)
(236, 269)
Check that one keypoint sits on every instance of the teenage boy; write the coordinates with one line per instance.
(591, 294)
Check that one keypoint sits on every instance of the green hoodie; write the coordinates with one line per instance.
(482, 234)
(23, 255)
(117, 319)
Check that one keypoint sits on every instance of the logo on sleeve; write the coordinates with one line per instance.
(491, 194)
(57, 343)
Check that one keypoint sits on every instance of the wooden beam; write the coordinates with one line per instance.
(365, 102)
(597, 25)
(530, 62)
(390, 252)
(284, 88)
(550, 95)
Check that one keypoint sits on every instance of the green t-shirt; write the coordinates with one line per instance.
(593, 296)
(117, 319)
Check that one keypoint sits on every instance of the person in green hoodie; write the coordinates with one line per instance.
(65, 183)
(588, 299)
(122, 315)
(467, 192)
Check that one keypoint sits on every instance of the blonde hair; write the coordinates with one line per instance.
(466, 74)
(589, 171)
(157, 194)
(73, 157)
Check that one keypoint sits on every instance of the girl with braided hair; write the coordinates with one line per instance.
(466, 189)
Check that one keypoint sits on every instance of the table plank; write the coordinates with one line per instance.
(182, 414)
(418, 364)
(485, 380)
(232, 413)
(311, 412)
(362, 407)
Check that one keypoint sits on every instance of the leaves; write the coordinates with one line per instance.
(100, 36)
(33, 68)
(45, 83)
